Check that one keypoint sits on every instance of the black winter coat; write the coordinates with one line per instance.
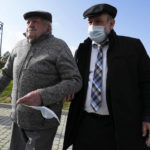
(127, 91)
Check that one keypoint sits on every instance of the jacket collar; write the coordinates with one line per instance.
(41, 38)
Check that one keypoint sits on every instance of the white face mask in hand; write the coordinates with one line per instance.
(97, 33)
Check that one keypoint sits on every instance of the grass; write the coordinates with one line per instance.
(5, 96)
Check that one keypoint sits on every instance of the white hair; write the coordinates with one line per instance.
(47, 22)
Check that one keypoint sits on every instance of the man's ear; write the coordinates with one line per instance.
(49, 28)
(112, 23)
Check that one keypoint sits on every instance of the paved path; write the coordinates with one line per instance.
(5, 129)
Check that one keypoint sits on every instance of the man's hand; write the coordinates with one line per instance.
(32, 99)
(68, 98)
(145, 130)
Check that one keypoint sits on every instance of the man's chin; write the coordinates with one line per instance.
(31, 35)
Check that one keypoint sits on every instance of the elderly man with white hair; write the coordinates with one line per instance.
(44, 73)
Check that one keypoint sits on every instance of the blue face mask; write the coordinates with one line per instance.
(97, 33)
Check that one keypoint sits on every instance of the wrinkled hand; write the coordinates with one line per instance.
(145, 130)
(68, 98)
(32, 99)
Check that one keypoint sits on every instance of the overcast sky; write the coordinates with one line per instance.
(68, 23)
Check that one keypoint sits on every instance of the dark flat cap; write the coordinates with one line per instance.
(43, 14)
(99, 9)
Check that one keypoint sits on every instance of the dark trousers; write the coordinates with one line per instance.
(31, 140)
(96, 132)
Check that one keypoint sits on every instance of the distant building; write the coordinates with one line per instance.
(1, 35)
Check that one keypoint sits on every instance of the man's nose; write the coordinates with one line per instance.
(92, 23)
(31, 24)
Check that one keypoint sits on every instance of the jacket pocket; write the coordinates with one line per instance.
(31, 119)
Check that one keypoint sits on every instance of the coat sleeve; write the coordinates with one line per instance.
(70, 79)
(144, 75)
(7, 74)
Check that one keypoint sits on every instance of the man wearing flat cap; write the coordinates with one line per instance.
(43, 72)
(112, 110)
